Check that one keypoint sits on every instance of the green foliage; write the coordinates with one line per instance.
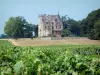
(83, 27)
(74, 27)
(17, 27)
(65, 33)
(14, 27)
(3, 36)
(5, 42)
(92, 18)
(92, 24)
(97, 30)
(50, 60)
(64, 21)
(35, 29)
(18, 66)
(9, 28)
(28, 30)
(88, 27)
(70, 25)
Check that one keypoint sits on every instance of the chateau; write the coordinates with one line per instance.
(49, 26)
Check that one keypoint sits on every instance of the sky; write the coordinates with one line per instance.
(30, 9)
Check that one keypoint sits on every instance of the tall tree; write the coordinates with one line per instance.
(83, 27)
(97, 30)
(70, 25)
(9, 27)
(28, 30)
(91, 20)
(15, 27)
(64, 21)
(74, 27)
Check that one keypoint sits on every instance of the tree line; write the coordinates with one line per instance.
(18, 27)
(88, 27)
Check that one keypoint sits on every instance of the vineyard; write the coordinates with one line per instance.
(50, 60)
(5, 42)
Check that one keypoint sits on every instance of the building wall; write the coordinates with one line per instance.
(49, 25)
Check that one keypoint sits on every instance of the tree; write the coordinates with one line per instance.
(64, 21)
(9, 27)
(97, 30)
(91, 34)
(90, 25)
(65, 33)
(91, 19)
(3, 36)
(74, 27)
(28, 30)
(70, 25)
(35, 29)
(14, 27)
(83, 27)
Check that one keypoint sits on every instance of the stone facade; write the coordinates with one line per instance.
(49, 25)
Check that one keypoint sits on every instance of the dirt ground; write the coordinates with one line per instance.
(38, 42)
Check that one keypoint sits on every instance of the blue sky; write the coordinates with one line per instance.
(30, 9)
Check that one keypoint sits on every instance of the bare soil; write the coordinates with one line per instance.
(38, 42)
(13, 42)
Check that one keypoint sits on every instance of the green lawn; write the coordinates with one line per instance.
(5, 42)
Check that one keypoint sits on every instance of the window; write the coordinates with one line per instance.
(47, 22)
(52, 23)
(60, 26)
(48, 27)
(56, 33)
(56, 27)
(56, 20)
(52, 27)
(52, 32)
